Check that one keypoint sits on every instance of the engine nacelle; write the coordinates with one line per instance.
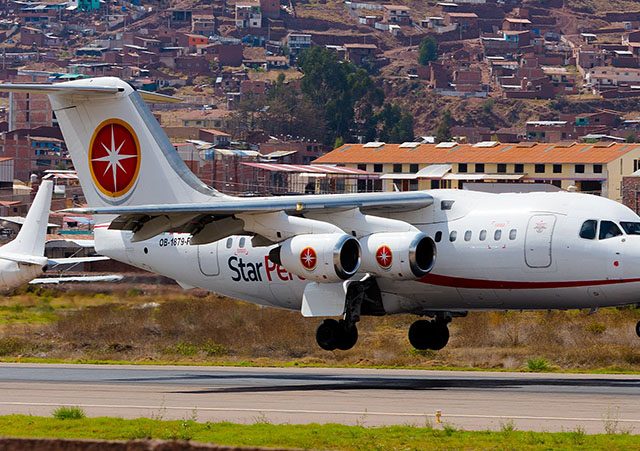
(329, 257)
(398, 255)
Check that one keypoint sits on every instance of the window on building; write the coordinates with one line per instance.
(377, 167)
(413, 168)
(467, 235)
(483, 235)
(462, 167)
(597, 169)
(438, 236)
(609, 229)
(539, 168)
(397, 168)
(557, 168)
(362, 167)
(435, 184)
(636, 165)
(453, 235)
(512, 234)
(579, 168)
(502, 168)
(479, 167)
(518, 168)
(497, 235)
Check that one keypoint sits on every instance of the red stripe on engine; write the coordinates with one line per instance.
(461, 282)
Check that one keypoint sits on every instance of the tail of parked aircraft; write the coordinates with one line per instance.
(32, 235)
(121, 154)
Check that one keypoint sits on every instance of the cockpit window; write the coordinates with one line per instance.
(608, 229)
(588, 229)
(631, 228)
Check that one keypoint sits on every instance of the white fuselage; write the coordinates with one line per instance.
(13, 274)
(511, 251)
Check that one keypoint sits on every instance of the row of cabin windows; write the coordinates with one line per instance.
(482, 236)
(608, 229)
(241, 243)
(538, 168)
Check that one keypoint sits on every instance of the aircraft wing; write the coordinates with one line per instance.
(75, 260)
(80, 243)
(71, 279)
(219, 216)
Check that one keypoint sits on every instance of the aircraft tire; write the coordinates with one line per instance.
(638, 328)
(421, 334)
(329, 334)
(440, 336)
(348, 336)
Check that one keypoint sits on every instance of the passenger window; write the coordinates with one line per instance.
(497, 235)
(467, 235)
(453, 235)
(588, 229)
(631, 228)
(609, 229)
(512, 234)
(229, 242)
(483, 235)
(438, 236)
(242, 241)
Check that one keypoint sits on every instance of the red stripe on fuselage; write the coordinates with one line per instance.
(461, 282)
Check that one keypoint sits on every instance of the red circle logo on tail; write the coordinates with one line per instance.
(114, 157)
(384, 256)
(309, 258)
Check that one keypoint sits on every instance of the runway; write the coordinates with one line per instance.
(469, 400)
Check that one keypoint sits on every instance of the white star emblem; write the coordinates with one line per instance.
(308, 258)
(114, 158)
(384, 257)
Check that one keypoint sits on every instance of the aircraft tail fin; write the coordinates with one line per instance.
(32, 235)
(121, 154)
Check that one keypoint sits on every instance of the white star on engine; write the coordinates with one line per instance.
(384, 257)
(308, 258)
(114, 158)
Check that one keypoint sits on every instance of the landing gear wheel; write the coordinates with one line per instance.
(349, 336)
(332, 335)
(328, 334)
(425, 334)
(638, 328)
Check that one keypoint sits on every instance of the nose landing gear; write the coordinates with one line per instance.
(434, 334)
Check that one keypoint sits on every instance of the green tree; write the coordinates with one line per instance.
(428, 50)
(335, 87)
(396, 125)
(443, 131)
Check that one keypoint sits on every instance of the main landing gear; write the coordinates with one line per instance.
(638, 328)
(332, 335)
(433, 334)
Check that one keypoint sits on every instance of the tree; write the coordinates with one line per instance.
(428, 50)
(443, 131)
(396, 125)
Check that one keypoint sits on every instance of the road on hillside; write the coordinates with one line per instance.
(469, 400)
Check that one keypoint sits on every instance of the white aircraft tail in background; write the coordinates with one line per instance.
(23, 259)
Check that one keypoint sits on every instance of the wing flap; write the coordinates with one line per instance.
(75, 260)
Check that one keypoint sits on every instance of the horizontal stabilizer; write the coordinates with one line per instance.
(88, 90)
(75, 260)
(24, 258)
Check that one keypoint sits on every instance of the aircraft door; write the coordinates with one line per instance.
(208, 259)
(537, 246)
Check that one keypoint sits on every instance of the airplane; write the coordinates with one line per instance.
(437, 254)
(22, 260)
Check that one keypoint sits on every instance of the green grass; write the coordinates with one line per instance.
(68, 413)
(314, 436)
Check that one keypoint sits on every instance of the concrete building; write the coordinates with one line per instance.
(248, 15)
(593, 168)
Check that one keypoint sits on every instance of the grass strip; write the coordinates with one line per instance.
(312, 436)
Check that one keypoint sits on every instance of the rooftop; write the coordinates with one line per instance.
(466, 153)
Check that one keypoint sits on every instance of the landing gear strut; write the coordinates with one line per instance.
(434, 334)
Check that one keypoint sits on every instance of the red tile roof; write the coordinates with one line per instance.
(467, 153)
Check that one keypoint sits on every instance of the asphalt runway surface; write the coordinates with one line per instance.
(469, 400)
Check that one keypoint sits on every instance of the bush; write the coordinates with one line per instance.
(538, 364)
(69, 413)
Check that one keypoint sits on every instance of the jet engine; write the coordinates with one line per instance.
(398, 255)
(328, 257)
